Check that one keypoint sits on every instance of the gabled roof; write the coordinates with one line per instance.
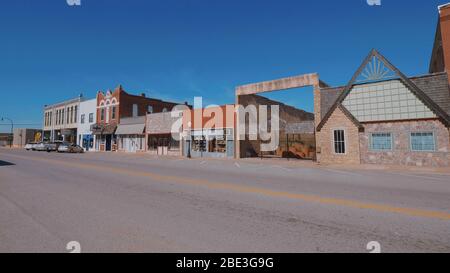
(436, 87)
(377, 72)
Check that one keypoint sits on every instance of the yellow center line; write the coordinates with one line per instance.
(253, 190)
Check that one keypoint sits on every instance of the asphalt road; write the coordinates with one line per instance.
(139, 203)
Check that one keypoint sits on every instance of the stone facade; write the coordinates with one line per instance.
(325, 145)
(401, 153)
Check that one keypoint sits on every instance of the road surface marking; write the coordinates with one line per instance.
(254, 190)
(443, 179)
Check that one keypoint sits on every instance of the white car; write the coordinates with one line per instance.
(70, 148)
(30, 146)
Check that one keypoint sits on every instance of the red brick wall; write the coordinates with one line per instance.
(100, 97)
(445, 32)
(127, 101)
(125, 107)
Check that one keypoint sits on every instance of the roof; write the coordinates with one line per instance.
(328, 97)
(433, 90)
(69, 101)
(443, 6)
(436, 87)
(130, 129)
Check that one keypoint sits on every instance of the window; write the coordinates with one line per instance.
(150, 109)
(62, 116)
(423, 141)
(381, 142)
(76, 114)
(174, 145)
(102, 114)
(91, 117)
(113, 115)
(339, 141)
(69, 115)
(135, 110)
(82, 119)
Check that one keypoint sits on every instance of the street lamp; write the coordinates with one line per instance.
(189, 140)
(12, 131)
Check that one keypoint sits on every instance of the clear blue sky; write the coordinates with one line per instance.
(178, 49)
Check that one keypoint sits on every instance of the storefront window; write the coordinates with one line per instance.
(198, 144)
(217, 144)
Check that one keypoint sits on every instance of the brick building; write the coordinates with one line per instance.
(209, 132)
(383, 117)
(440, 60)
(113, 106)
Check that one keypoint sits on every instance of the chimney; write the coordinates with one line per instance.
(143, 95)
(444, 20)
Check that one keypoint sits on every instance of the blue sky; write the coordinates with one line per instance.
(178, 49)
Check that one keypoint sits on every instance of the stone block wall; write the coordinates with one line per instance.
(401, 153)
(325, 140)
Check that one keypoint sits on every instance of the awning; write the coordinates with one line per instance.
(130, 129)
(101, 129)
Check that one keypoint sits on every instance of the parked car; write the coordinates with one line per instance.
(30, 146)
(39, 147)
(51, 147)
(70, 148)
(46, 146)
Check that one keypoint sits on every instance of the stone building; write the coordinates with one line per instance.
(383, 117)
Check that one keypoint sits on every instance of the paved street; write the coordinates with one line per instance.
(140, 203)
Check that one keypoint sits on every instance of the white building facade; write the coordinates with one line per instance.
(61, 120)
(87, 117)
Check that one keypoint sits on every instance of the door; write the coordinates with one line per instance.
(108, 143)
